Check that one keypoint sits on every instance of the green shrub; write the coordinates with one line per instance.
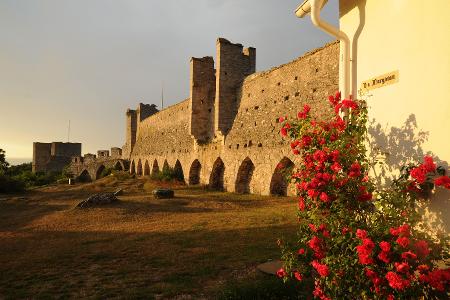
(10, 185)
(19, 169)
(37, 179)
(106, 172)
(168, 174)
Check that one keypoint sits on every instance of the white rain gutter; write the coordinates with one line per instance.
(314, 7)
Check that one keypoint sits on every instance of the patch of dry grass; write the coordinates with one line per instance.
(140, 247)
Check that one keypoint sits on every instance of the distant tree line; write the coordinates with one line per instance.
(18, 178)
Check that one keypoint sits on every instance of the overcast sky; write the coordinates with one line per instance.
(87, 61)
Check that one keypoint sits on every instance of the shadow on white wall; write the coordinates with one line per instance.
(394, 147)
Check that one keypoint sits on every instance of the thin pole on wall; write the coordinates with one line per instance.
(162, 95)
(68, 133)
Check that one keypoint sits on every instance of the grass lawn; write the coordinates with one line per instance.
(201, 244)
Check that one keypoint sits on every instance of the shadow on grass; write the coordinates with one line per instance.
(178, 205)
(17, 214)
(265, 287)
(129, 264)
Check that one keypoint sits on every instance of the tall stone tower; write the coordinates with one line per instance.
(234, 63)
(131, 128)
(202, 93)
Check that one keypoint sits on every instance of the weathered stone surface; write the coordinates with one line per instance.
(90, 167)
(226, 135)
(98, 200)
(270, 267)
(163, 193)
(53, 156)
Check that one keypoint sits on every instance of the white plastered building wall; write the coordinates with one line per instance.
(406, 42)
(411, 116)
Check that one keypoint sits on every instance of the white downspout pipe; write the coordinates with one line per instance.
(316, 6)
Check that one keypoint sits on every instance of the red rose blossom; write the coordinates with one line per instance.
(396, 281)
(361, 234)
(385, 246)
(403, 241)
(355, 170)
(348, 103)
(409, 255)
(281, 273)
(318, 293)
(324, 197)
(320, 268)
(298, 276)
(428, 164)
(443, 181)
(384, 256)
(402, 267)
(422, 248)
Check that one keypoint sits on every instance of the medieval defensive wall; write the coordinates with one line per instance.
(90, 166)
(226, 134)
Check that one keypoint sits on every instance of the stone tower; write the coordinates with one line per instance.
(131, 127)
(234, 63)
(202, 93)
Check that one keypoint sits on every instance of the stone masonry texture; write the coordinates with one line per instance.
(226, 135)
(53, 156)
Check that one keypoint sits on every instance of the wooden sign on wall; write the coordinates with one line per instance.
(380, 81)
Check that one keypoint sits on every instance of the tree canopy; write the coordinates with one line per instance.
(3, 163)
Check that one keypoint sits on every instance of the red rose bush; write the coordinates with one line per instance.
(355, 242)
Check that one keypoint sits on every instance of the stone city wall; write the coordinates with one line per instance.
(244, 152)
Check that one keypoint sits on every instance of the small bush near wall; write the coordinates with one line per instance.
(106, 172)
(168, 174)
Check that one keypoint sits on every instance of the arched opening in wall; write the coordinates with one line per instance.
(178, 171)
(146, 168)
(194, 172)
(132, 168)
(101, 172)
(84, 176)
(155, 168)
(118, 166)
(244, 176)
(280, 182)
(216, 177)
(139, 168)
(166, 167)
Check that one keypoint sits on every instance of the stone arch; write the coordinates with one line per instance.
(132, 167)
(166, 167)
(118, 166)
(279, 184)
(244, 176)
(84, 176)
(155, 167)
(98, 173)
(139, 168)
(146, 168)
(194, 172)
(178, 171)
(217, 174)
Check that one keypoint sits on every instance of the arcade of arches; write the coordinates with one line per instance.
(250, 177)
